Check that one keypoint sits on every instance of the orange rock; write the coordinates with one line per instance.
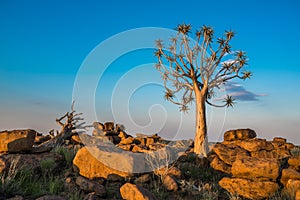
(292, 185)
(239, 134)
(90, 167)
(229, 153)
(170, 183)
(254, 168)
(294, 162)
(174, 171)
(249, 188)
(287, 174)
(297, 195)
(17, 141)
(133, 192)
(219, 165)
(76, 139)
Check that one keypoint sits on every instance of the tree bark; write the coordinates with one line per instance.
(200, 141)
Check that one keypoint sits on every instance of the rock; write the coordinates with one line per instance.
(90, 186)
(287, 174)
(16, 198)
(139, 149)
(17, 141)
(220, 165)
(279, 140)
(283, 153)
(293, 185)
(99, 126)
(126, 147)
(114, 139)
(229, 153)
(126, 141)
(123, 135)
(98, 158)
(170, 183)
(90, 167)
(140, 141)
(133, 192)
(265, 154)
(91, 196)
(297, 195)
(239, 134)
(145, 178)
(51, 197)
(289, 146)
(109, 126)
(150, 140)
(41, 138)
(256, 168)
(249, 188)
(156, 146)
(76, 139)
(114, 178)
(255, 144)
(294, 163)
(173, 171)
(3, 165)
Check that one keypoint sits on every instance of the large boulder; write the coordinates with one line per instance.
(17, 141)
(134, 192)
(239, 134)
(229, 153)
(91, 167)
(251, 189)
(256, 168)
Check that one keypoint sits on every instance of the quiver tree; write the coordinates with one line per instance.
(193, 69)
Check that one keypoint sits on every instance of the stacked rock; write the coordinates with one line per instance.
(255, 165)
(117, 135)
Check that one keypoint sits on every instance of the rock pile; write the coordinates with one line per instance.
(117, 135)
(255, 165)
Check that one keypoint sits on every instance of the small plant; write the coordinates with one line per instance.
(47, 166)
(55, 185)
(68, 154)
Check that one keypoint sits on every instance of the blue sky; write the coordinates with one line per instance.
(44, 43)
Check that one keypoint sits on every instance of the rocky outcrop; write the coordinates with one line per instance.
(133, 192)
(17, 141)
(249, 188)
(256, 165)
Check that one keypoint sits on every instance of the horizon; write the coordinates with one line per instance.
(45, 44)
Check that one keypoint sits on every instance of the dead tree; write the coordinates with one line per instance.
(69, 127)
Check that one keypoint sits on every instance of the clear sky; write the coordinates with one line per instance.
(44, 43)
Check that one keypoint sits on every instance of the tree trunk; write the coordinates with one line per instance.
(200, 141)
